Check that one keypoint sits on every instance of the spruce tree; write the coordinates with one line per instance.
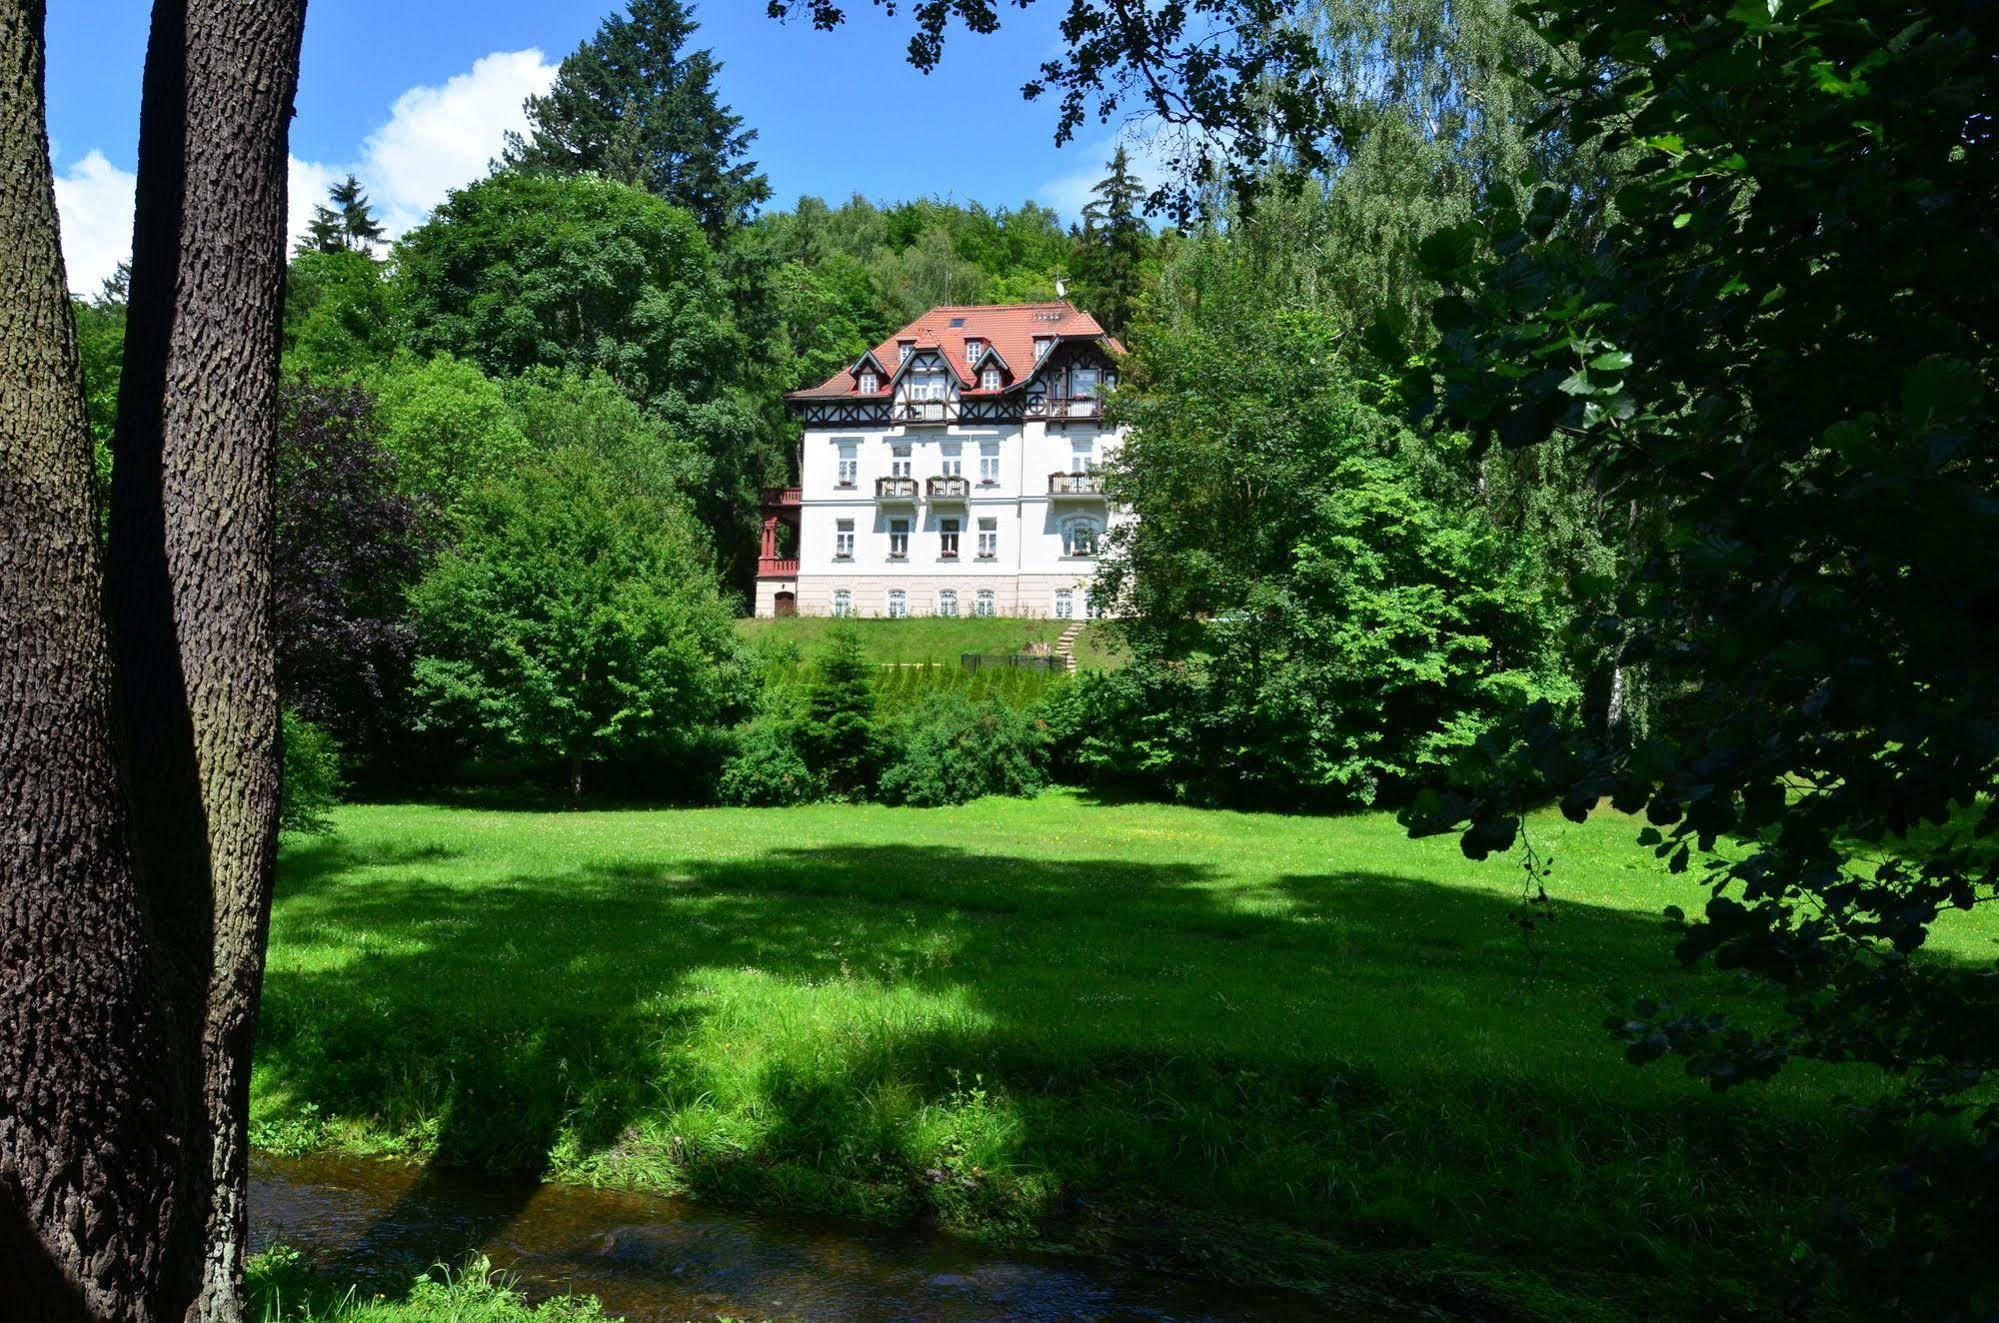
(634, 104)
(348, 226)
(1110, 256)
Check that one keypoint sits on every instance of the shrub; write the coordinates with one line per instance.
(952, 750)
(310, 781)
(837, 736)
(768, 771)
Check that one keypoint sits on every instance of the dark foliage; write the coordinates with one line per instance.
(349, 545)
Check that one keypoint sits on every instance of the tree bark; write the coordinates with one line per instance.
(192, 532)
(87, 1115)
(575, 779)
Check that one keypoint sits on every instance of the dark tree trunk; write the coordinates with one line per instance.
(192, 531)
(575, 780)
(87, 1115)
(134, 908)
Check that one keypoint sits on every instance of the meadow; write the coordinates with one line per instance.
(1250, 1046)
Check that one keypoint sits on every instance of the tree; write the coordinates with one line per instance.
(521, 271)
(634, 105)
(340, 313)
(449, 427)
(348, 226)
(133, 908)
(1319, 612)
(1783, 343)
(350, 543)
(837, 736)
(1110, 259)
(575, 618)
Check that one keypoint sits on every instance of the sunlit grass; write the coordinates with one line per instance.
(1205, 1028)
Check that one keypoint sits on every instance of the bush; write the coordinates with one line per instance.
(310, 781)
(768, 771)
(952, 750)
(837, 736)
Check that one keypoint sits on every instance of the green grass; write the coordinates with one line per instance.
(932, 638)
(283, 1290)
(1274, 1047)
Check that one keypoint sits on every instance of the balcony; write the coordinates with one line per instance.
(924, 411)
(948, 491)
(895, 491)
(777, 567)
(1058, 407)
(1075, 487)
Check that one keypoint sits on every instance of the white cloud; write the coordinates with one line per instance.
(441, 138)
(434, 140)
(94, 204)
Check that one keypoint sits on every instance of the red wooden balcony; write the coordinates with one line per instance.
(777, 567)
(783, 496)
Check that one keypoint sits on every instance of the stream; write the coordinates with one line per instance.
(659, 1260)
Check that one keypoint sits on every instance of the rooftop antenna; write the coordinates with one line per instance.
(1061, 288)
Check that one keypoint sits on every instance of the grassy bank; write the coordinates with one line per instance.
(933, 638)
(1301, 1047)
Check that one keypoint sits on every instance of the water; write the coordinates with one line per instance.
(665, 1260)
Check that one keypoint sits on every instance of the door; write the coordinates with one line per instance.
(787, 604)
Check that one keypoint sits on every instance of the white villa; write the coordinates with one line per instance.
(951, 471)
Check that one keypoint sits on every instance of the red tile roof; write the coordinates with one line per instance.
(1011, 328)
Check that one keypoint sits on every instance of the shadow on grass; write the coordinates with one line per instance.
(908, 1031)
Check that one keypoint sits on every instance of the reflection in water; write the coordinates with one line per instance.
(660, 1259)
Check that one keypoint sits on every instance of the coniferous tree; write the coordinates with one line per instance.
(634, 104)
(348, 226)
(1110, 259)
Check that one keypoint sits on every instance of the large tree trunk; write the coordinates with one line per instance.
(87, 1115)
(192, 526)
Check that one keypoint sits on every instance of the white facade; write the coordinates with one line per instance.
(1015, 539)
(927, 487)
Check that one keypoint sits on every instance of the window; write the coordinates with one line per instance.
(947, 602)
(905, 349)
(947, 538)
(972, 348)
(925, 386)
(898, 539)
(1065, 604)
(898, 462)
(954, 466)
(1093, 608)
(870, 383)
(989, 465)
(1084, 458)
(982, 605)
(843, 540)
(1041, 346)
(988, 538)
(843, 603)
(898, 604)
(989, 379)
(1083, 384)
(850, 467)
(1080, 536)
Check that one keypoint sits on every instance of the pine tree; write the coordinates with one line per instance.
(635, 105)
(358, 225)
(348, 226)
(1110, 254)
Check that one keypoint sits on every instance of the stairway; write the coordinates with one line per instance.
(1065, 647)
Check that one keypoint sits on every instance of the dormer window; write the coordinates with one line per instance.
(973, 348)
(1042, 344)
(989, 379)
(870, 383)
(906, 348)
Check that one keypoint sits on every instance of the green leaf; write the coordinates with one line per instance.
(1940, 390)
(1614, 361)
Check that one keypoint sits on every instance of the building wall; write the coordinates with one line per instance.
(1029, 565)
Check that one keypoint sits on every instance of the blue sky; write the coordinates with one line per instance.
(413, 95)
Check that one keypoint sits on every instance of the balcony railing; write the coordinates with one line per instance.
(1060, 406)
(783, 495)
(777, 567)
(1075, 484)
(895, 489)
(925, 411)
(949, 488)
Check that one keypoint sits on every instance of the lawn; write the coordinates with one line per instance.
(1276, 1047)
(934, 638)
